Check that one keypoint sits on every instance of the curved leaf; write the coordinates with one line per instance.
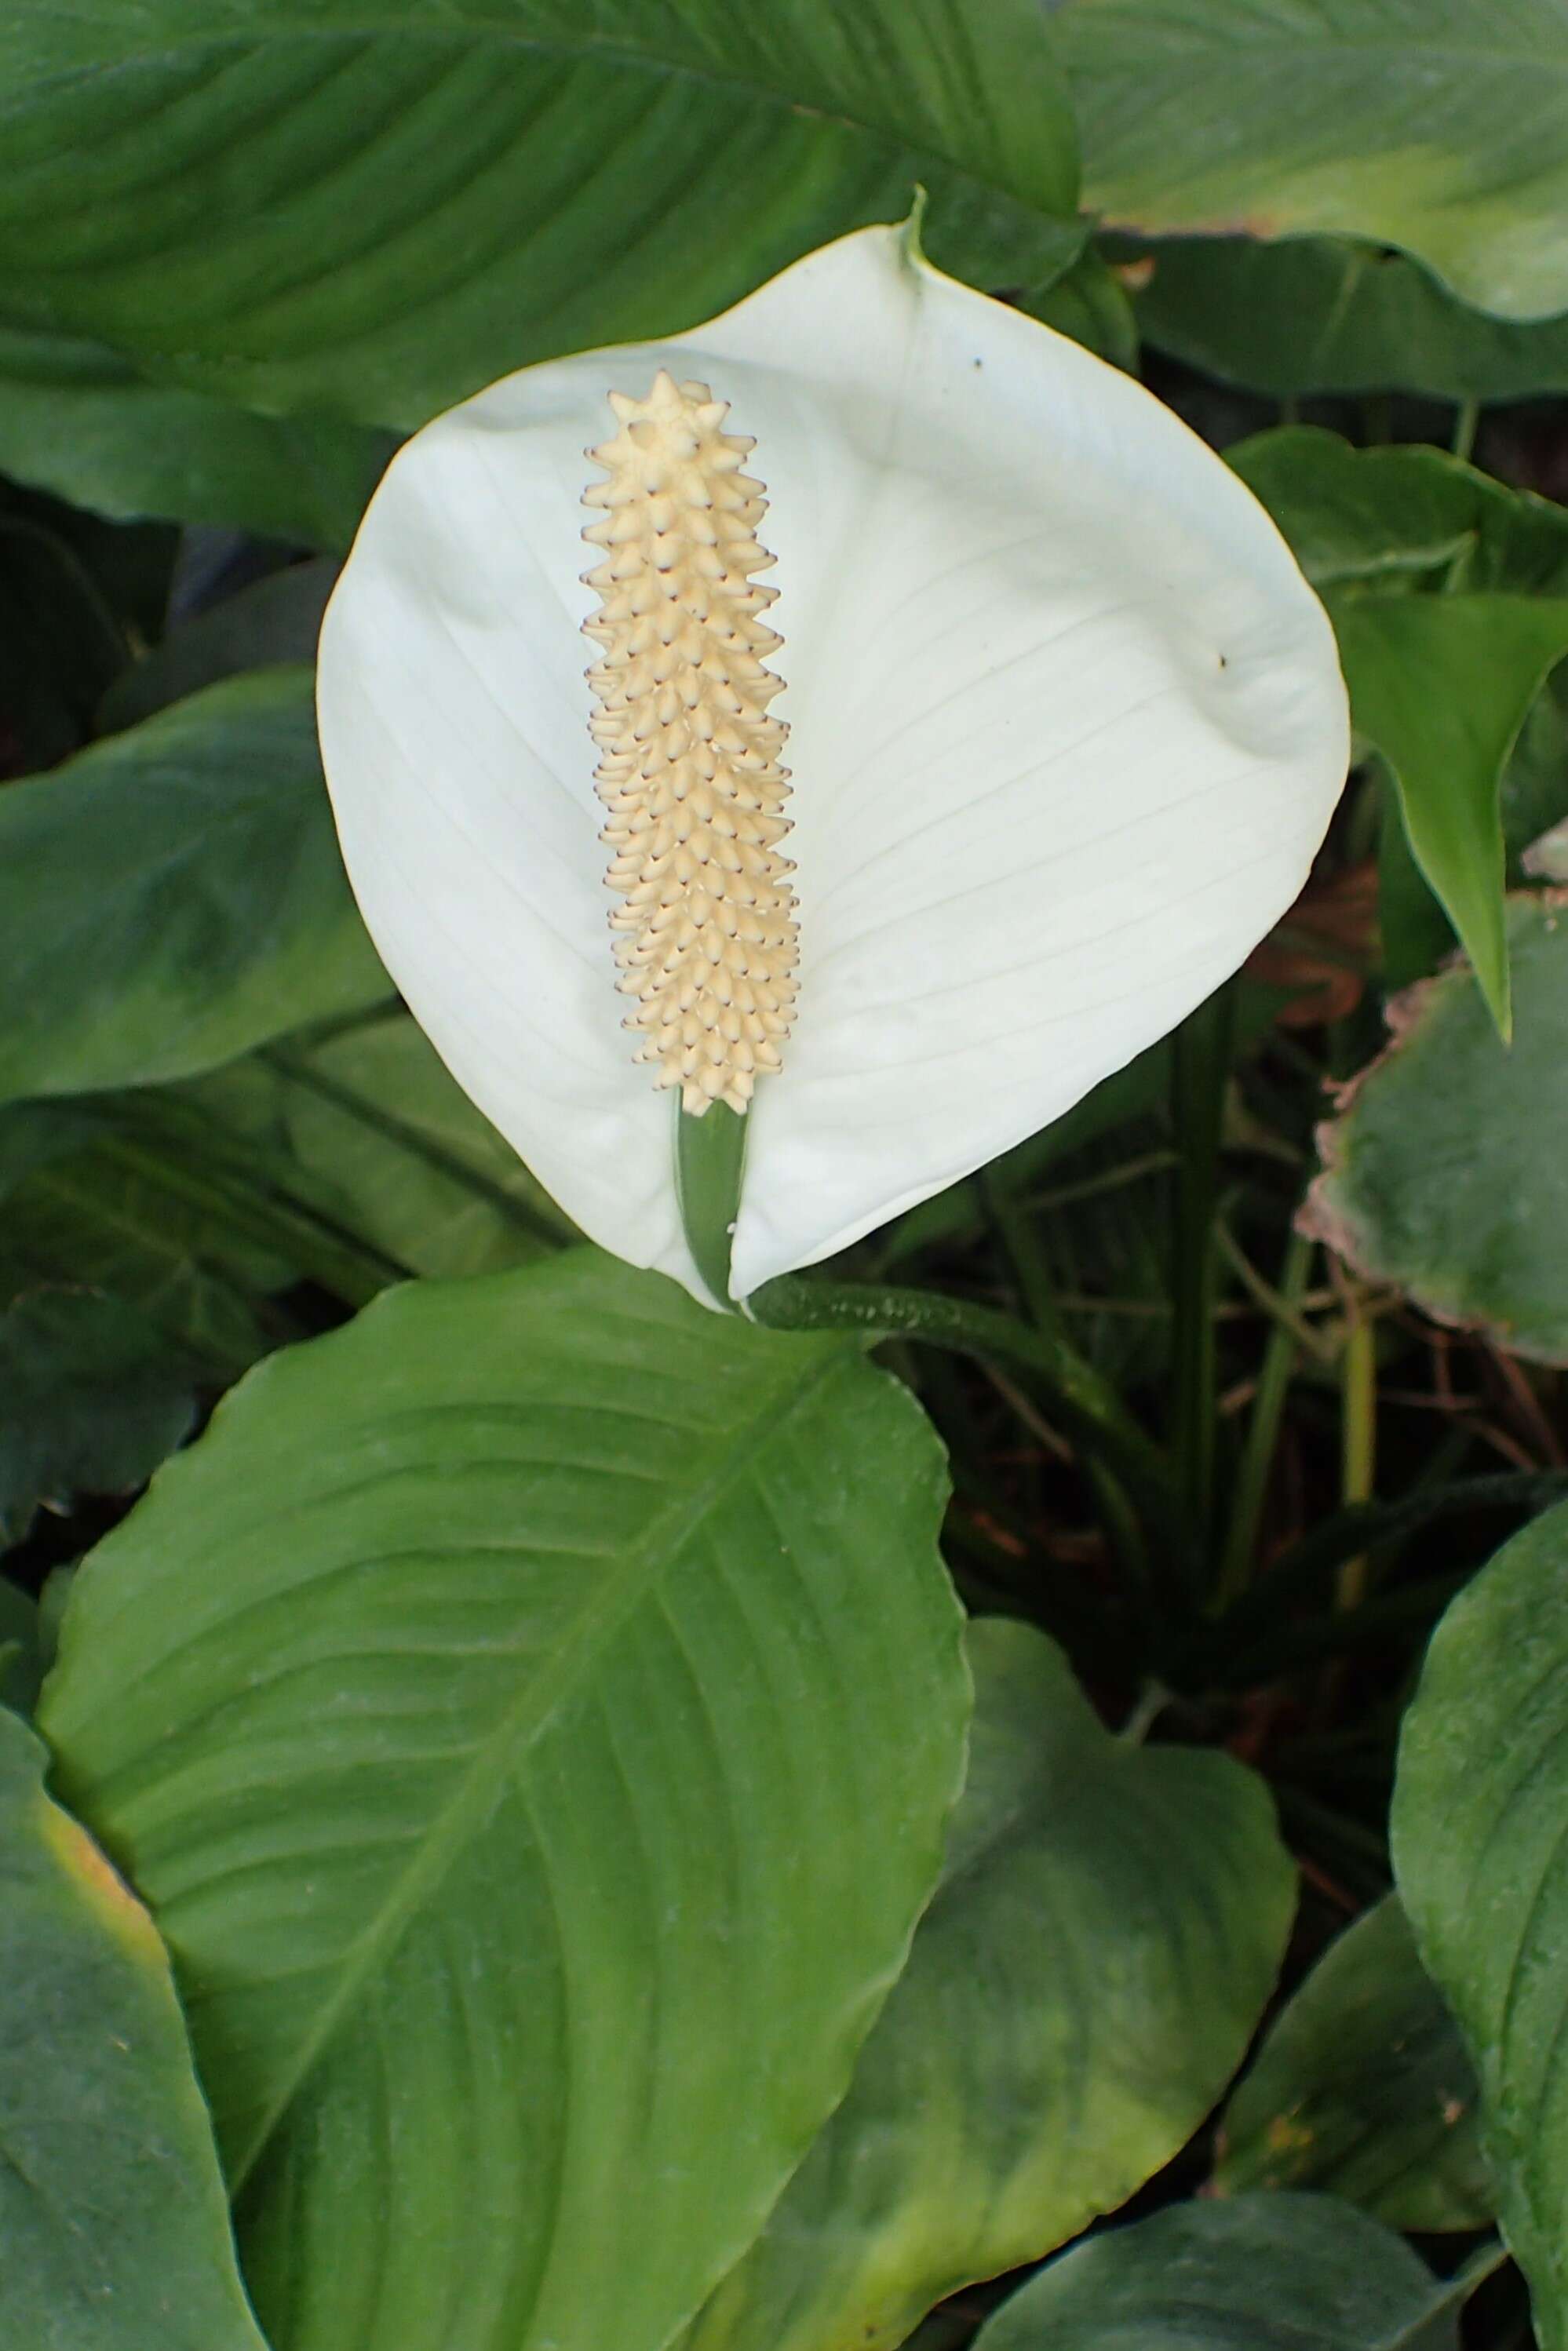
(1433, 125)
(1107, 1929)
(1466, 1213)
(173, 895)
(375, 212)
(1363, 2087)
(78, 418)
(538, 1799)
(1317, 313)
(112, 2210)
(1264, 2274)
(1481, 1851)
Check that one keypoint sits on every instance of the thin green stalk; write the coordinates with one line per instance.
(1025, 1257)
(1358, 1436)
(1251, 1485)
(1086, 1405)
(710, 1161)
(1201, 1065)
(1467, 417)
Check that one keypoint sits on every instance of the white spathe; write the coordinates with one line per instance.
(1067, 726)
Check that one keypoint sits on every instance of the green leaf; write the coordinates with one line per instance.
(1402, 518)
(375, 216)
(1260, 2274)
(21, 1648)
(1447, 1170)
(1481, 1837)
(370, 1125)
(1433, 125)
(273, 622)
(78, 418)
(1363, 2087)
(1441, 686)
(539, 1798)
(95, 1398)
(1326, 315)
(173, 895)
(1090, 303)
(1108, 1928)
(112, 2210)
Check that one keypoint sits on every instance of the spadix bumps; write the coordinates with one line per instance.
(688, 754)
(1065, 730)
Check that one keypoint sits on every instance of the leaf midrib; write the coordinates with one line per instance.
(617, 54)
(524, 1721)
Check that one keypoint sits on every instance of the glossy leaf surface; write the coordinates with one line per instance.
(112, 2210)
(1427, 124)
(536, 1804)
(1107, 1930)
(173, 895)
(1480, 1835)
(375, 215)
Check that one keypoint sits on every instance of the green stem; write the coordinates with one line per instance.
(1263, 1427)
(1201, 1065)
(1467, 417)
(1087, 1406)
(710, 1160)
(1358, 1436)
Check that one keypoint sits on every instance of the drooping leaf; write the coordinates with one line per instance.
(94, 1398)
(79, 419)
(21, 1648)
(1328, 315)
(1442, 684)
(112, 2209)
(1427, 124)
(173, 895)
(375, 218)
(538, 1802)
(373, 1127)
(1481, 1836)
(1446, 1169)
(1363, 2087)
(1259, 2274)
(1107, 1928)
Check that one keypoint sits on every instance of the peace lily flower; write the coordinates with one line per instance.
(1065, 727)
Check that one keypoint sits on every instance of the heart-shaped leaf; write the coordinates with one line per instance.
(531, 1713)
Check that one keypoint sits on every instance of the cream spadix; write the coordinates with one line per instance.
(689, 756)
(1065, 727)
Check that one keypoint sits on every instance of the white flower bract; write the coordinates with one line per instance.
(1066, 729)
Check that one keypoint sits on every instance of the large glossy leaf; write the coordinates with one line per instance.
(376, 212)
(112, 2221)
(78, 418)
(173, 895)
(1442, 684)
(1447, 1170)
(531, 1713)
(1363, 2086)
(1434, 125)
(1264, 2274)
(372, 1126)
(95, 1397)
(1107, 1929)
(1481, 1851)
(1328, 315)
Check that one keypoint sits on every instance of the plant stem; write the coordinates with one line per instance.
(1263, 1427)
(710, 1160)
(1201, 1065)
(1087, 1406)
(1359, 1435)
(1467, 417)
